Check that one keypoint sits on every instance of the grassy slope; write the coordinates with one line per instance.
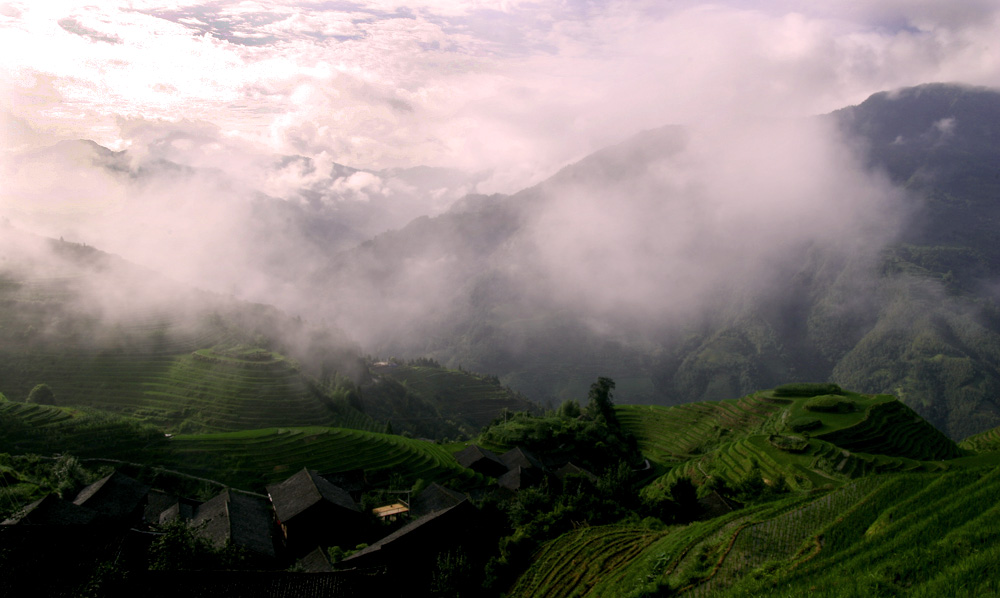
(45, 429)
(925, 531)
(920, 534)
(270, 455)
(180, 392)
(984, 442)
(436, 402)
(466, 398)
(729, 438)
(246, 459)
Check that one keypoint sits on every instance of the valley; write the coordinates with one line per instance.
(799, 398)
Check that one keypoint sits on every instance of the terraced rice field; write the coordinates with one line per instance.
(457, 395)
(676, 433)
(250, 459)
(984, 442)
(46, 430)
(188, 393)
(892, 428)
(927, 534)
(577, 561)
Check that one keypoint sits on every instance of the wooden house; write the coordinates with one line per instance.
(53, 510)
(237, 519)
(117, 497)
(519, 457)
(311, 511)
(481, 460)
(416, 545)
(434, 497)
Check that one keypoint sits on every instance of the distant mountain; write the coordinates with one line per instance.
(108, 336)
(169, 202)
(869, 261)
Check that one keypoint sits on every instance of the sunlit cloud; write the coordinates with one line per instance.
(519, 88)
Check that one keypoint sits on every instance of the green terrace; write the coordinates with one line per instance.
(200, 391)
(252, 458)
(799, 435)
(456, 394)
(935, 532)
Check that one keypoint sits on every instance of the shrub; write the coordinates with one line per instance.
(807, 389)
(830, 404)
(791, 444)
(41, 395)
(804, 424)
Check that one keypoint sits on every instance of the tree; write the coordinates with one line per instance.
(684, 494)
(41, 394)
(600, 404)
(569, 409)
(179, 548)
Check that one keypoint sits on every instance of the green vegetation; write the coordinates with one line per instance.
(253, 458)
(817, 518)
(84, 432)
(26, 478)
(426, 399)
(784, 441)
(984, 442)
(720, 498)
(804, 424)
(41, 395)
(803, 389)
(830, 404)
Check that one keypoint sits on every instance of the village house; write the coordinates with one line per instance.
(237, 519)
(311, 511)
(434, 497)
(117, 497)
(481, 461)
(415, 547)
(53, 510)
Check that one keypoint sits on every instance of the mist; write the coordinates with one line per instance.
(479, 182)
(633, 243)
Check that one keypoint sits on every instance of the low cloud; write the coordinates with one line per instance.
(75, 27)
(515, 88)
(260, 139)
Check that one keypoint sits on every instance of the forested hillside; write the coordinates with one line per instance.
(892, 296)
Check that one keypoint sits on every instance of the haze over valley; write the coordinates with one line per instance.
(374, 241)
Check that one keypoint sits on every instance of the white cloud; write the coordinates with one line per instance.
(519, 88)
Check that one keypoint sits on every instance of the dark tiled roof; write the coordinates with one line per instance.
(162, 507)
(482, 460)
(116, 496)
(182, 510)
(240, 519)
(420, 530)
(157, 502)
(518, 457)
(53, 510)
(303, 490)
(520, 477)
(434, 498)
(315, 562)
(571, 468)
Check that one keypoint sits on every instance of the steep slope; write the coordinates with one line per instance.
(838, 527)
(108, 336)
(805, 441)
(885, 288)
(916, 534)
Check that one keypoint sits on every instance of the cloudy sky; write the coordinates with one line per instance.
(513, 87)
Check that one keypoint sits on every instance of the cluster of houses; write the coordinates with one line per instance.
(118, 517)
(516, 469)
